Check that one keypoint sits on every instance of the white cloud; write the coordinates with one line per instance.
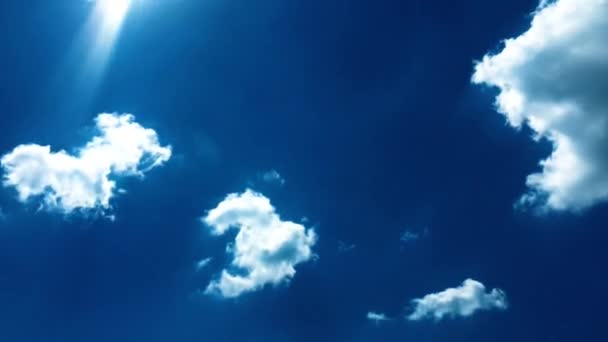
(377, 317)
(266, 248)
(83, 180)
(462, 301)
(554, 78)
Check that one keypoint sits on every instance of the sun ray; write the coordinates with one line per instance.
(88, 58)
(112, 12)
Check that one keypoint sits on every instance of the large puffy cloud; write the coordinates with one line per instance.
(83, 180)
(266, 248)
(461, 301)
(554, 78)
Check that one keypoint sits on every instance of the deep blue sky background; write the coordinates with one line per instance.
(365, 108)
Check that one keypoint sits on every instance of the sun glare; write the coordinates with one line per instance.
(113, 11)
(93, 47)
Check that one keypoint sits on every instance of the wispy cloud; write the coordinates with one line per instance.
(203, 264)
(344, 247)
(273, 177)
(410, 235)
(377, 317)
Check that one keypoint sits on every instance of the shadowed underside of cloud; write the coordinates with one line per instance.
(462, 301)
(83, 181)
(266, 248)
(554, 78)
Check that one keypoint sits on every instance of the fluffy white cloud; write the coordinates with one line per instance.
(554, 78)
(462, 301)
(266, 248)
(83, 180)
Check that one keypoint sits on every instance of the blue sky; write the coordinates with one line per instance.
(180, 170)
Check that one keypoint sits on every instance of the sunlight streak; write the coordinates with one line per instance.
(92, 49)
(105, 23)
(113, 12)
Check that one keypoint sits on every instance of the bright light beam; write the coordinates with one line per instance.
(106, 21)
(113, 12)
(100, 36)
(75, 84)
(93, 48)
